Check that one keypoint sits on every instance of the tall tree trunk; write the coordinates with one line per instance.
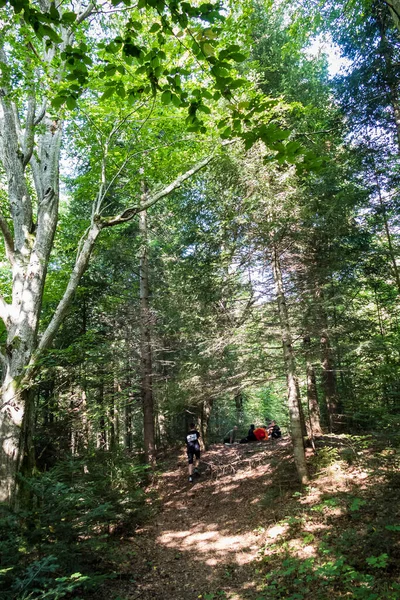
(239, 408)
(385, 383)
(301, 412)
(328, 375)
(85, 421)
(28, 249)
(391, 251)
(145, 343)
(312, 399)
(329, 379)
(16, 431)
(206, 409)
(289, 359)
(112, 417)
(114, 414)
(101, 432)
(312, 392)
(128, 416)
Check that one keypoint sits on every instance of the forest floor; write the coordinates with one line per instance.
(247, 531)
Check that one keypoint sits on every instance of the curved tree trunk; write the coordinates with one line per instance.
(31, 135)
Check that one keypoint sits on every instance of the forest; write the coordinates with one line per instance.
(200, 222)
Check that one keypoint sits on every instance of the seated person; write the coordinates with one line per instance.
(274, 431)
(230, 436)
(250, 436)
(261, 433)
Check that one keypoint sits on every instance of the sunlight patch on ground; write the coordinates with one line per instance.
(226, 488)
(171, 474)
(256, 500)
(200, 540)
(308, 551)
(296, 545)
(315, 527)
(277, 531)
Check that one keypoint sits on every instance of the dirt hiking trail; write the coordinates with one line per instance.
(204, 542)
(246, 531)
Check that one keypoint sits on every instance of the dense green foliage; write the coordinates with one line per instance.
(65, 539)
(310, 173)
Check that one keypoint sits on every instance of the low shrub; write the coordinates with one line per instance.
(61, 542)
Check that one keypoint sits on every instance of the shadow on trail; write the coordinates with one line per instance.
(207, 538)
(253, 533)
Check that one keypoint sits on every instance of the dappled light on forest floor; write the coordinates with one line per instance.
(207, 537)
(252, 532)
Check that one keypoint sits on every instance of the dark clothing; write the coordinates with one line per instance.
(192, 445)
(275, 432)
(191, 454)
(250, 436)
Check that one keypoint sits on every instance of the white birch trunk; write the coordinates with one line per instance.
(28, 243)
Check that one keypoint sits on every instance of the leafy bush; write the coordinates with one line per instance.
(75, 508)
(299, 579)
(326, 457)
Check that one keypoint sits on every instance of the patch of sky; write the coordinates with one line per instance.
(323, 44)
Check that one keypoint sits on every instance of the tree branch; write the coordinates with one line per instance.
(394, 10)
(18, 192)
(41, 113)
(81, 263)
(130, 212)
(29, 136)
(8, 239)
(85, 13)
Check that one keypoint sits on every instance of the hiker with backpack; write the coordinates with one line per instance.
(193, 449)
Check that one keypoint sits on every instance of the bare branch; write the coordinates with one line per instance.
(130, 212)
(29, 136)
(82, 261)
(41, 113)
(3, 362)
(85, 13)
(18, 192)
(126, 162)
(17, 123)
(100, 196)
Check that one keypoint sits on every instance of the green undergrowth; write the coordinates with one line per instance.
(63, 544)
(340, 536)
